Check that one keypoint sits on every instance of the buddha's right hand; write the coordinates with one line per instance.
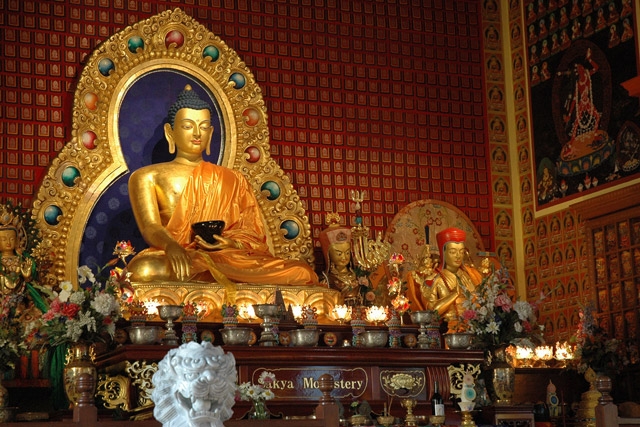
(179, 260)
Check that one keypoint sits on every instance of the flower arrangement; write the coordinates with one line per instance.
(257, 394)
(253, 392)
(496, 320)
(83, 314)
(594, 348)
(12, 343)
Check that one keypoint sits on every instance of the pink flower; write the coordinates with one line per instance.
(55, 306)
(469, 315)
(370, 296)
(504, 302)
(49, 315)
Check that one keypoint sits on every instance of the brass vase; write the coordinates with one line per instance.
(79, 360)
(500, 378)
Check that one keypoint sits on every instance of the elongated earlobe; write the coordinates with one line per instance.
(208, 151)
(169, 135)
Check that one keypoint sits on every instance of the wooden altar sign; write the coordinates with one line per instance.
(301, 382)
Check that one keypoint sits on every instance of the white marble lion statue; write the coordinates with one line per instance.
(194, 386)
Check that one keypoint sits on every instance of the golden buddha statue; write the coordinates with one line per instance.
(17, 269)
(444, 293)
(336, 248)
(167, 198)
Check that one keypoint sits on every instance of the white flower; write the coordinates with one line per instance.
(252, 392)
(74, 330)
(493, 328)
(483, 311)
(103, 303)
(63, 296)
(524, 310)
(65, 291)
(77, 298)
(87, 321)
(266, 377)
(268, 394)
(84, 274)
(518, 327)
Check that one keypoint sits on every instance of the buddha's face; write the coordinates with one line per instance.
(192, 131)
(8, 240)
(453, 255)
(340, 254)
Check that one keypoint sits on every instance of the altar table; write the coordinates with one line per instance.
(359, 373)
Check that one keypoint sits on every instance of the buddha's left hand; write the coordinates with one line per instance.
(222, 243)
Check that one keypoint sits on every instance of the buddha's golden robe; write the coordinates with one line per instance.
(440, 294)
(218, 193)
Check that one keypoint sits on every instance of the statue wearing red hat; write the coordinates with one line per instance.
(444, 293)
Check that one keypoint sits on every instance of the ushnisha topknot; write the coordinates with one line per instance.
(187, 99)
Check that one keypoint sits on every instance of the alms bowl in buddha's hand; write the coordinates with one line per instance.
(207, 229)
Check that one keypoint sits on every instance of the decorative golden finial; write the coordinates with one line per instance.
(332, 219)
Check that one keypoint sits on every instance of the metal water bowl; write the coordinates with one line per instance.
(236, 336)
(458, 341)
(144, 335)
(377, 338)
(304, 337)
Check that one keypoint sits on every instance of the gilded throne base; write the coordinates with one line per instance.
(213, 295)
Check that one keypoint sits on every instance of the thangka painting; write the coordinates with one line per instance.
(582, 60)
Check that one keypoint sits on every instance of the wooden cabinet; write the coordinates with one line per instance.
(612, 233)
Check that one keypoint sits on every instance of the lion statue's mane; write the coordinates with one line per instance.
(195, 386)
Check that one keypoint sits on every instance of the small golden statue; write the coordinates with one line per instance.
(336, 248)
(445, 294)
(17, 267)
(422, 276)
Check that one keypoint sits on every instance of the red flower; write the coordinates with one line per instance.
(70, 310)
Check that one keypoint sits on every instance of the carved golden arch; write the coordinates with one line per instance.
(93, 159)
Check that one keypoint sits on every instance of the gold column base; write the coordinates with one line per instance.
(467, 419)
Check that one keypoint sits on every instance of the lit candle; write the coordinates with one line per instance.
(376, 314)
(341, 313)
(246, 312)
(296, 309)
